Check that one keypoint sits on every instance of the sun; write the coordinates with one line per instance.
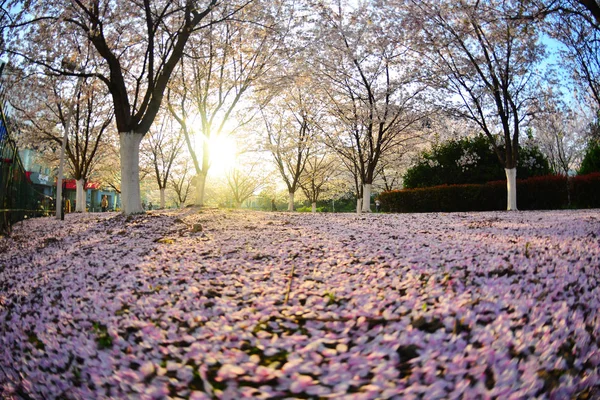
(222, 151)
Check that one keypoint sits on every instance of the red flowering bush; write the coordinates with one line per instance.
(537, 193)
(585, 190)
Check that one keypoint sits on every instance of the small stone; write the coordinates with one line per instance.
(197, 228)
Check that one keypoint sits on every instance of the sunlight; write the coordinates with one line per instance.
(222, 155)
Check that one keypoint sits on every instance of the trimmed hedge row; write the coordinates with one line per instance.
(538, 193)
(585, 190)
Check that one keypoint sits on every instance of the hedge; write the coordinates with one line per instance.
(585, 191)
(537, 193)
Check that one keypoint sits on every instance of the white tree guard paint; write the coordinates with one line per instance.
(314, 207)
(366, 203)
(358, 206)
(291, 202)
(80, 195)
(200, 185)
(130, 172)
(162, 198)
(61, 177)
(511, 189)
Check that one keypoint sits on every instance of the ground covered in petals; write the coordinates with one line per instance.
(218, 304)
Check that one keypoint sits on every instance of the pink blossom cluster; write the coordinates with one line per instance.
(282, 305)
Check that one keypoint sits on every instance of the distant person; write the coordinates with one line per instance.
(104, 203)
(67, 206)
(273, 206)
(150, 206)
(377, 205)
(40, 209)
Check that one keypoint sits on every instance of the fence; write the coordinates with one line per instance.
(17, 195)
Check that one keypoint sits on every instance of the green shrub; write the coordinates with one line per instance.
(591, 160)
(309, 209)
(470, 160)
(532, 162)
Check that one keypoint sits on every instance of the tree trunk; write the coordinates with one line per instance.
(60, 180)
(358, 205)
(314, 207)
(162, 198)
(200, 186)
(291, 202)
(511, 189)
(80, 196)
(568, 189)
(131, 202)
(366, 203)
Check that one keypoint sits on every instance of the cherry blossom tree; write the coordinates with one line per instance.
(321, 168)
(588, 10)
(50, 106)
(348, 159)
(291, 121)
(486, 61)
(560, 132)
(391, 170)
(373, 88)
(244, 181)
(139, 44)
(217, 74)
(181, 181)
(577, 26)
(108, 172)
(575, 23)
(163, 145)
(593, 7)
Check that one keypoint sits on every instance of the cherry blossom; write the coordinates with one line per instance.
(464, 305)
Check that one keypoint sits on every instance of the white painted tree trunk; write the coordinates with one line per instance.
(131, 202)
(291, 202)
(60, 178)
(80, 195)
(314, 207)
(162, 198)
(200, 186)
(358, 205)
(366, 203)
(511, 189)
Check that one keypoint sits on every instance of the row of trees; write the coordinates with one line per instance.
(324, 86)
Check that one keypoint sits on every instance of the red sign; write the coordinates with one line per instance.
(92, 185)
(71, 184)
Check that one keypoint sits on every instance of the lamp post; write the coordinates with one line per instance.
(59, 180)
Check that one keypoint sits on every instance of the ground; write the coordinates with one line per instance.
(220, 304)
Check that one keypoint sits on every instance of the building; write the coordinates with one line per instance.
(44, 183)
